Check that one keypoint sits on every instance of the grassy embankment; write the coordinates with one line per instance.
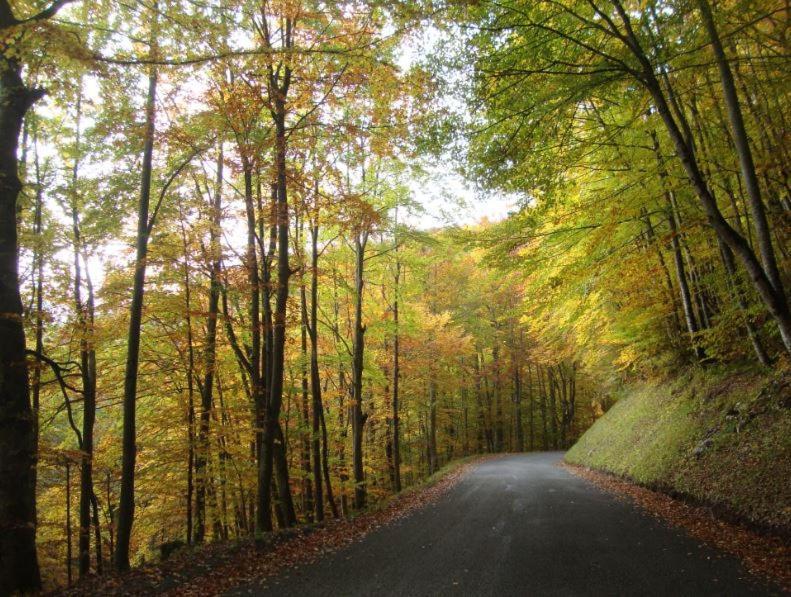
(719, 438)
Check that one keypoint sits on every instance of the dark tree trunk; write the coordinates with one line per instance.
(68, 525)
(396, 380)
(357, 415)
(499, 432)
(275, 398)
(543, 408)
(85, 315)
(519, 431)
(325, 465)
(315, 381)
(306, 425)
(18, 561)
(126, 506)
(433, 464)
(531, 407)
(210, 358)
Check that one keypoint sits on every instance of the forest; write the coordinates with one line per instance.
(226, 309)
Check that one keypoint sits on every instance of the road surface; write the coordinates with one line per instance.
(520, 525)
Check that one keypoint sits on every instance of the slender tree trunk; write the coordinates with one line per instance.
(519, 431)
(315, 379)
(126, 505)
(97, 533)
(210, 351)
(358, 417)
(499, 435)
(396, 380)
(306, 424)
(87, 363)
(69, 556)
(38, 262)
(433, 464)
(543, 408)
(272, 413)
(553, 410)
(325, 464)
(531, 406)
(284, 499)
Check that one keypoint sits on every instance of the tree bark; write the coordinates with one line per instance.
(126, 506)
(358, 417)
(396, 380)
(210, 354)
(275, 399)
(433, 464)
(19, 570)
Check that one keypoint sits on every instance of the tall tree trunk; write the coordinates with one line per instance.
(315, 379)
(18, 561)
(68, 525)
(396, 417)
(85, 315)
(531, 406)
(210, 351)
(519, 431)
(126, 506)
(38, 263)
(499, 433)
(433, 464)
(325, 466)
(306, 425)
(543, 408)
(358, 349)
(275, 399)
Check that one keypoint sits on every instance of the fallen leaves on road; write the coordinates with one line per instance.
(220, 567)
(764, 555)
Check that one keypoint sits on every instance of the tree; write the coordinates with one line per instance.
(17, 425)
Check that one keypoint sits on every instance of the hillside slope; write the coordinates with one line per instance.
(721, 438)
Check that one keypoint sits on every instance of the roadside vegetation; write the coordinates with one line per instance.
(712, 437)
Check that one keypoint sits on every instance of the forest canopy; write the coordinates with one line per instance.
(223, 313)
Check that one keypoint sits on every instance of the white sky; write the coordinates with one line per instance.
(449, 200)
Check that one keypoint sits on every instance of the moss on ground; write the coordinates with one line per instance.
(719, 437)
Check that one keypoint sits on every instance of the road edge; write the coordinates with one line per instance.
(765, 555)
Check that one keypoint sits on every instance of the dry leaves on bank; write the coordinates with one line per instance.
(220, 567)
(764, 555)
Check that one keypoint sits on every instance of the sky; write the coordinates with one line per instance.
(450, 200)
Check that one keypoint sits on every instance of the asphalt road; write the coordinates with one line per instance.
(519, 525)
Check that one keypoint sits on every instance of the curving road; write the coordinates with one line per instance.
(519, 525)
